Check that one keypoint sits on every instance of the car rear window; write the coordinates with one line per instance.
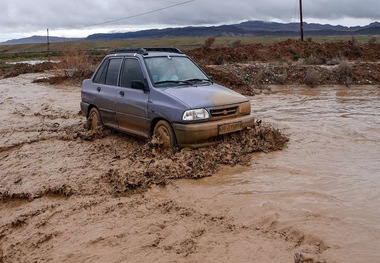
(113, 71)
(100, 76)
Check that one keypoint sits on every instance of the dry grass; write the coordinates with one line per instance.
(372, 40)
(312, 61)
(259, 77)
(209, 42)
(312, 77)
(335, 61)
(355, 45)
(236, 43)
(74, 61)
(281, 78)
(74, 67)
(344, 72)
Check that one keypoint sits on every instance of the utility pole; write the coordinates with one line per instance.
(301, 20)
(48, 42)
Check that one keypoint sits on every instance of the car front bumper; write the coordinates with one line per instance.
(199, 134)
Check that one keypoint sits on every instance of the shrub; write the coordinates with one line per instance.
(209, 42)
(312, 60)
(372, 40)
(259, 77)
(344, 72)
(309, 39)
(355, 45)
(236, 43)
(335, 61)
(281, 78)
(74, 67)
(72, 61)
(293, 50)
(312, 77)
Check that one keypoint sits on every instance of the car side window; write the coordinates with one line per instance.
(131, 72)
(113, 72)
(100, 76)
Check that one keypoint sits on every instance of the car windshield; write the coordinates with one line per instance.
(174, 70)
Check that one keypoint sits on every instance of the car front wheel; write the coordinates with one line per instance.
(164, 134)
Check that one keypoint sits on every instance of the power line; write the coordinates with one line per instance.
(129, 17)
(133, 16)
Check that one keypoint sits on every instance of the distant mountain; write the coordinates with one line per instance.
(224, 30)
(38, 39)
(248, 28)
(273, 26)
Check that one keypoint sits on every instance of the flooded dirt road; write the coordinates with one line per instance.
(323, 190)
(319, 196)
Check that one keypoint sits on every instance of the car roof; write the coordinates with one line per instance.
(148, 52)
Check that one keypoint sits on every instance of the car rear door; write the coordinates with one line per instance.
(105, 87)
(131, 103)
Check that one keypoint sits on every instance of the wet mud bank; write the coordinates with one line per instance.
(124, 164)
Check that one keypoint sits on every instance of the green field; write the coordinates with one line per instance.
(22, 51)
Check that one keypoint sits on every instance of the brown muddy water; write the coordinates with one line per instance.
(318, 196)
(323, 190)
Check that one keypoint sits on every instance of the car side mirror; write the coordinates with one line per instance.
(137, 84)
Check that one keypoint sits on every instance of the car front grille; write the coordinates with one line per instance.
(223, 112)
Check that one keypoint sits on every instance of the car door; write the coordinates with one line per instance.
(105, 85)
(131, 103)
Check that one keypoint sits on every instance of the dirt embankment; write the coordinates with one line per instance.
(23, 68)
(289, 50)
(252, 78)
(250, 68)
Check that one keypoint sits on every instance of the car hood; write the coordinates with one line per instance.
(205, 96)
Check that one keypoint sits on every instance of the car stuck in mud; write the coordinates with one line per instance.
(162, 93)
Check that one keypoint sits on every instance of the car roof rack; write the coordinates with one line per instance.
(164, 49)
(130, 50)
(144, 51)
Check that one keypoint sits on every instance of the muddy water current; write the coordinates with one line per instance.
(323, 190)
(319, 196)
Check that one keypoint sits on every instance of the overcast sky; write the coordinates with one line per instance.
(21, 18)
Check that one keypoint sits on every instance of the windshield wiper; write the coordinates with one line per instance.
(174, 82)
(198, 80)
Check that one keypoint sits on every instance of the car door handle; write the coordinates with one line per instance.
(121, 93)
(98, 89)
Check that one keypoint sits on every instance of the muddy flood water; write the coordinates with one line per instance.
(323, 190)
(318, 196)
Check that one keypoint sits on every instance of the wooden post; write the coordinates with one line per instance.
(48, 43)
(301, 20)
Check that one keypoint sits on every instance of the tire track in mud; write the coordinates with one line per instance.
(160, 221)
(113, 163)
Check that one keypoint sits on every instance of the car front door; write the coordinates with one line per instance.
(105, 88)
(132, 102)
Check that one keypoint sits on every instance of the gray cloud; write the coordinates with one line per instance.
(26, 16)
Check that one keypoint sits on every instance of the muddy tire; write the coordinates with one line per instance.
(94, 120)
(164, 134)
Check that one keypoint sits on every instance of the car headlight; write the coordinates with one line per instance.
(245, 108)
(198, 114)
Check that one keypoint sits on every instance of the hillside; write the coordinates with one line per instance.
(244, 29)
(39, 39)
